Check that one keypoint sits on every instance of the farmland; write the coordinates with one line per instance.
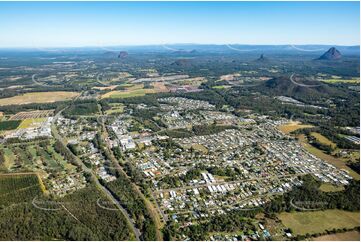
(136, 90)
(9, 125)
(18, 188)
(131, 91)
(302, 223)
(38, 97)
(32, 114)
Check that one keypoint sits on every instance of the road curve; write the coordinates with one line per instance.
(300, 84)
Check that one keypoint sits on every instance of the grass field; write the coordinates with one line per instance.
(130, 91)
(38, 97)
(319, 221)
(221, 87)
(322, 139)
(338, 162)
(115, 109)
(9, 159)
(136, 90)
(292, 126)
(347, 236)
(336, 80)
(200, 148)
(327, 187)
(26, 123)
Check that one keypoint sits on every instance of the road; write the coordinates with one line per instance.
(95, 179)
(36, 82)
(152, 211)
(300, 84)
(98, 80)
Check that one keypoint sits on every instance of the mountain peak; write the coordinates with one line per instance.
(262, 58)
(331, 54)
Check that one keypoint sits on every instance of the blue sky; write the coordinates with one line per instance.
(45, 24)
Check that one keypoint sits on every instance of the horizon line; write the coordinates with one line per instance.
(165, 44)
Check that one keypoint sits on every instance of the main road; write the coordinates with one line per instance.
(95, 180)
(117, 166)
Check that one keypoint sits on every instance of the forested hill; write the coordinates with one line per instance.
(305, 90)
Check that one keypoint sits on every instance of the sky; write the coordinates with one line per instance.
(74, 24)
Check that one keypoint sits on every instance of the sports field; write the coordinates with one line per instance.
(319, 221)
(38, 97)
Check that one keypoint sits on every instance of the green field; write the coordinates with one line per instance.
(115, 108)
(33, 157)
(302, 223)
(26, 123)
(221, 87)
(336, 80)
(327, 187)
(9, 158)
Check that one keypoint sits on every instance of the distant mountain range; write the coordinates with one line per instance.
(198, 49)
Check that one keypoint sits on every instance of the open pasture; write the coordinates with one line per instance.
(346, 236)
(322, 139)
(38, 97)
(338, 80)
(319, 221)
(133, 91)
(31, 122)
(292, 126)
